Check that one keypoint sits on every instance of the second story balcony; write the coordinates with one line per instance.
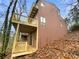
(26, 36)
(25, 21)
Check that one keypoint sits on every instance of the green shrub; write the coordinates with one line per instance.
(75, 26)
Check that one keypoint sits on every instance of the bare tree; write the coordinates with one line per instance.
(7, 27)
(73, 16)
(10, 23)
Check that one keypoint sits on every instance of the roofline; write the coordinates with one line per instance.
(52, 4)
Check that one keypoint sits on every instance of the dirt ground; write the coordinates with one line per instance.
(66, 48)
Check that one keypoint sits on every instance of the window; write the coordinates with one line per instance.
(23, 36)
(43, 20)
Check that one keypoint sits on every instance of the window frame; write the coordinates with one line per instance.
(43, 20)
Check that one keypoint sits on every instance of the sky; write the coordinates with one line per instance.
(61, 4)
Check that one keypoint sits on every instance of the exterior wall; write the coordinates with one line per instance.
(55, 27)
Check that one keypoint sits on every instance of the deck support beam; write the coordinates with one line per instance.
(15, 38)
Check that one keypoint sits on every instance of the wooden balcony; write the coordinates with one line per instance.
(22, 48)
(28, 26)
(25, 45)
(34, 22)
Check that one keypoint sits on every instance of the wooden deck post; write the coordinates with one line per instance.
(15, 38)
(37, 37)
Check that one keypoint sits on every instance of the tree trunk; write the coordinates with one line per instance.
(5, 27)
(10, 23)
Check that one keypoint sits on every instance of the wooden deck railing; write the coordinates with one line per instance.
(20, 47)
(34, 22)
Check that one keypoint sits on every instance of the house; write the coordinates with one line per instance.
(51, 24)
(43, 25)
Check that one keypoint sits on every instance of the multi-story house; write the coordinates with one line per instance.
(43, 25)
